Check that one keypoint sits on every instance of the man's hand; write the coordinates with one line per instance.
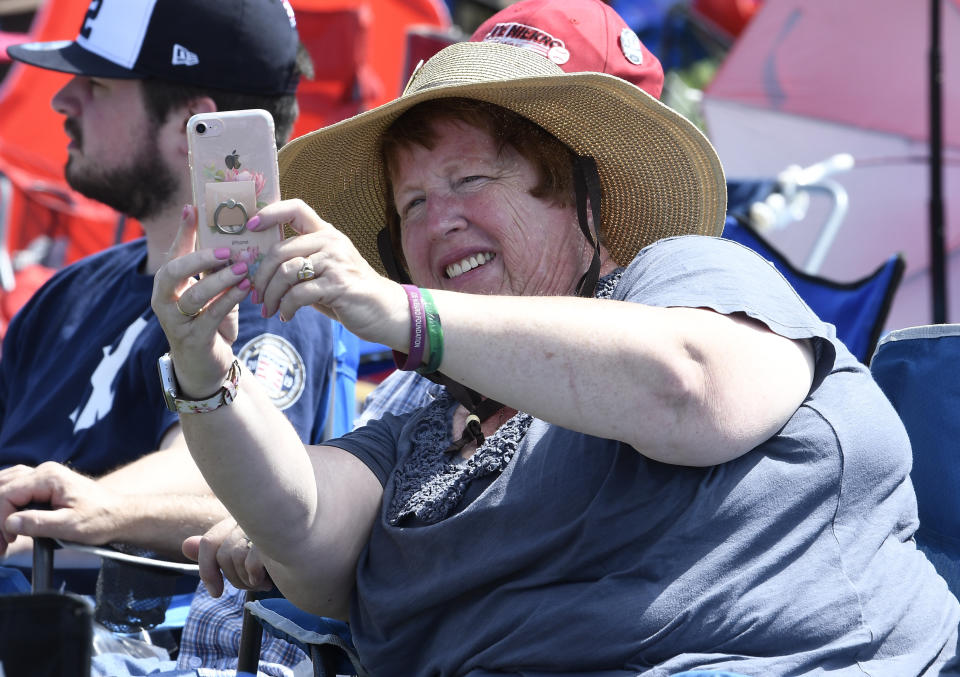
(225, 550)
(80, 509)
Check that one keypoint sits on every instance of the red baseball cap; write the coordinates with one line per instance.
(578, 36)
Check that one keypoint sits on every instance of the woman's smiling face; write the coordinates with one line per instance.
(469, 223)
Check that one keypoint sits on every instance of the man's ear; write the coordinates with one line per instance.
(201, 104)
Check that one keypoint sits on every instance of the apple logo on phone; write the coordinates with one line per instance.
(233, 160)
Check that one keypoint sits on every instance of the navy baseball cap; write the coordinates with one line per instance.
(245, 46)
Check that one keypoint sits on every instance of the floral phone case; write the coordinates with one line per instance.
(233, 163)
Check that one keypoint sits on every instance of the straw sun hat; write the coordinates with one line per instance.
(659, 175)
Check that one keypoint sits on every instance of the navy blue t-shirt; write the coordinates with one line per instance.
(78, 372)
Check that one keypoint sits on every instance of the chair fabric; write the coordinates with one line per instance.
(36, 204)
(318, 636)
(707, 673)
(918, 369)
(343, 83)
(45, 635)
(343, 400)
(858, 309)
(422, 43)
(12, 581)
(33, 151)
(383, 39)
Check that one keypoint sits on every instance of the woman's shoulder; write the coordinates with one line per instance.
(698, 263)
(694, 251)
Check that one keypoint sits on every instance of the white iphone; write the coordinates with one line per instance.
(233, 164)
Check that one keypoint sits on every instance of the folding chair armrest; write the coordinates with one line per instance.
(168, 604)
(106, 552)
(325, 640)
(42, 572)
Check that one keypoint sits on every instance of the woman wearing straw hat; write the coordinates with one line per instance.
(687, 469)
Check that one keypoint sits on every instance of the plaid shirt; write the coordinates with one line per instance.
(399, 393)
(211, 637)
(210, 641)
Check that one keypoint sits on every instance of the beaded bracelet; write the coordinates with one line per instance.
(418, 332)
(434, 331)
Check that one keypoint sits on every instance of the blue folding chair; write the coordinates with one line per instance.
(327, 641)
(857, 309)
(918, 369)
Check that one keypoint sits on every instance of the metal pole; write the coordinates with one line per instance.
(938, 264)
(251, 635)
(42, 572)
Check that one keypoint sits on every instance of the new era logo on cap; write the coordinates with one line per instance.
(184, 57)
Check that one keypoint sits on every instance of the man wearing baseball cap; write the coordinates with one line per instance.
(79, 360)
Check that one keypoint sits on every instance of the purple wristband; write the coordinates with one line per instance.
(418, 332)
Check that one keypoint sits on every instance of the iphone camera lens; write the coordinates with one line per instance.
(201, 128)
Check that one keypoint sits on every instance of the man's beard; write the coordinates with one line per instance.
(140, 190)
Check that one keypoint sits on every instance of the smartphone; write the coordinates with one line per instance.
(233, 165)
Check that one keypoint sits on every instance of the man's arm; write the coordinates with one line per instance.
(169, 470)
(154, 502)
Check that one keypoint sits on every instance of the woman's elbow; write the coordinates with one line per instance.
(675, 420)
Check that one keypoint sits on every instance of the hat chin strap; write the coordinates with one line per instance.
(586, 185)
(389, 260)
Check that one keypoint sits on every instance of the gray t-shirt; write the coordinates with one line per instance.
(583, 557)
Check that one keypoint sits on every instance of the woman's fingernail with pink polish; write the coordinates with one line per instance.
(254, 222)
(254, 296)
(282, 318)
(222, 253)
(263, 311)
(239, 268)
(244, 283)
(185, 213)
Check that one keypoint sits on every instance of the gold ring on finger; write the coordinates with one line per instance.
(185, 313)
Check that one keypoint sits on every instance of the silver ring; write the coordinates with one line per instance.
(306, 271)
(232, 229)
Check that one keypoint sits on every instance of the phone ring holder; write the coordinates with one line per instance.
(231, 229)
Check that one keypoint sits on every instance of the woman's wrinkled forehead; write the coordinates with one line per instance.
(421, 126)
